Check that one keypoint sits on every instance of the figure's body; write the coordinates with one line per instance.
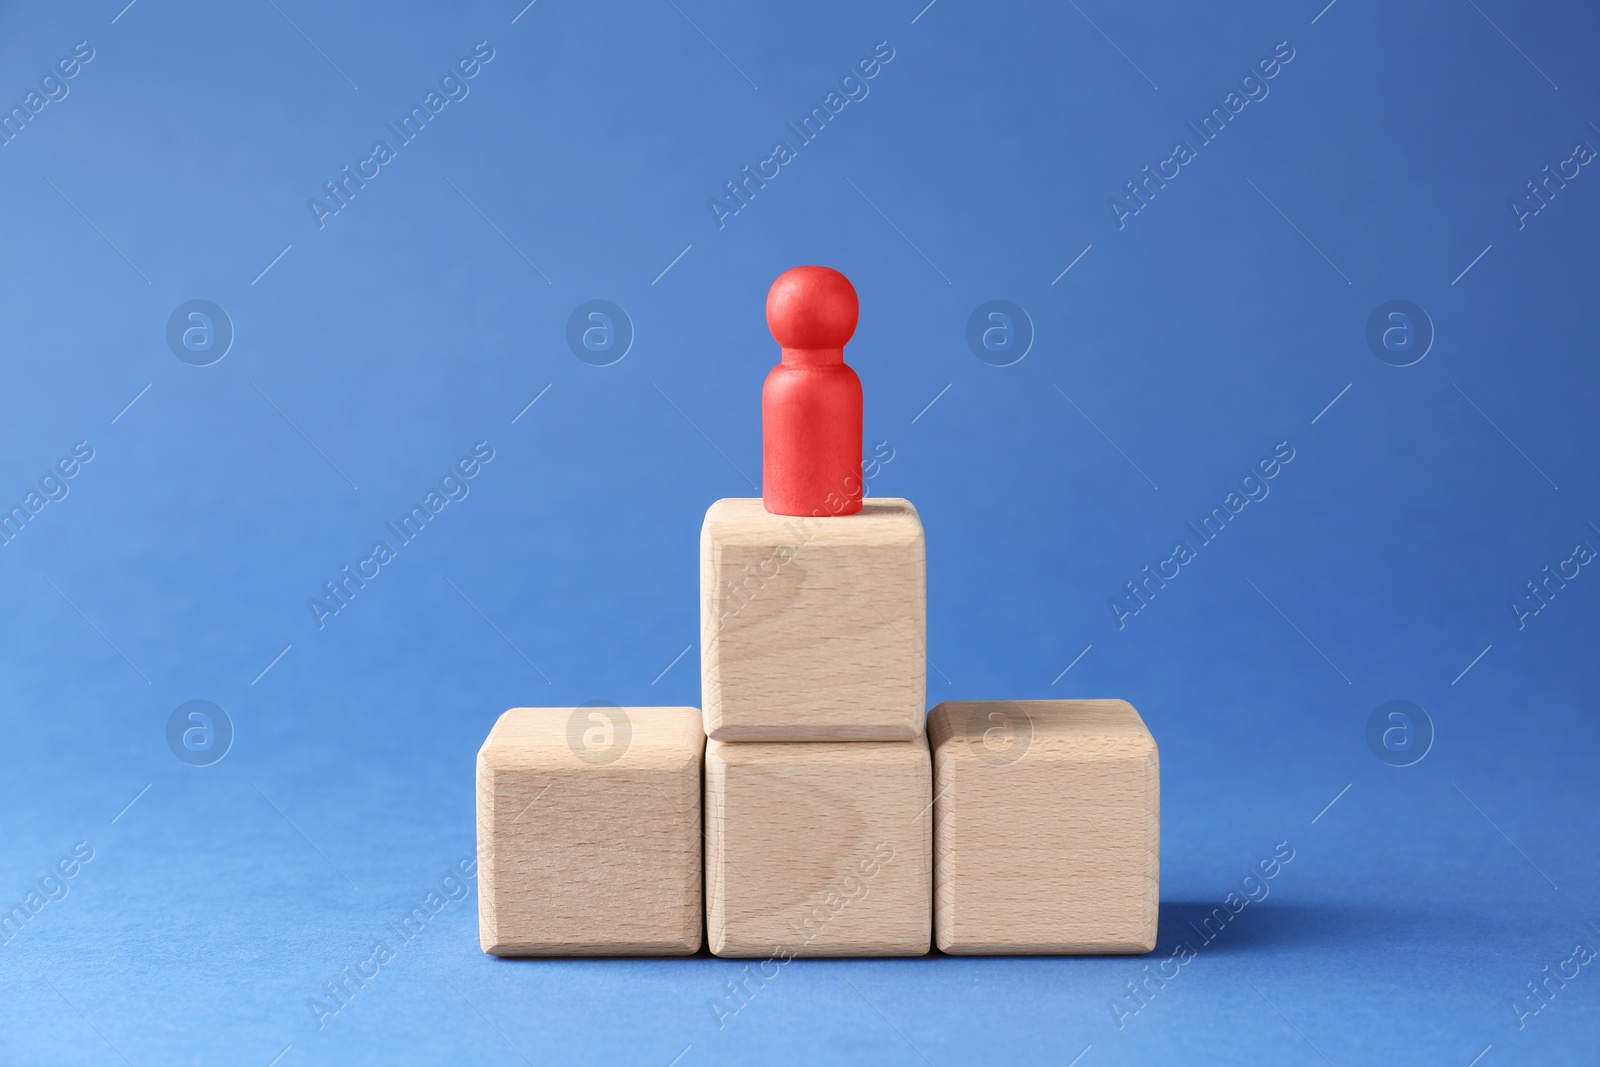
(811, 403)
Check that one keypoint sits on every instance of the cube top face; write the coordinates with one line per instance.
(745, 522)
(594, 735)
(1047, 828)
(813, 629)
(589, 832)
(813, 761)
(1001, 732)
(818, 849)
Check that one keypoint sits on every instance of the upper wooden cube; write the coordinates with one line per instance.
(1047, 827)
(589, 832)
(813, 629)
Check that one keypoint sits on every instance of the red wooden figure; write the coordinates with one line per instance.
(811, 403)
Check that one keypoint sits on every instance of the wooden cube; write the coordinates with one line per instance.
(589, 832)
(819, 849)
(813, 629)
(1047, 827)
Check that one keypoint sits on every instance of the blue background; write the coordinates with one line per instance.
(372, 352)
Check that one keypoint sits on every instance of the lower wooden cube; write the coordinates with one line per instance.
(1047, 827)
(589, 832)
(818, 848)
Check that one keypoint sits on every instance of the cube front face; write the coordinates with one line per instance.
(1047, 829)
(813, 629)
(818, 849)
(589, 832)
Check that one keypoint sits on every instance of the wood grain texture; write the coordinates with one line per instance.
(589, 826)
(813, 629)
(819, 849)
(1047, 827)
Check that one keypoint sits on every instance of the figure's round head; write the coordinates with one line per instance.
(812, 307)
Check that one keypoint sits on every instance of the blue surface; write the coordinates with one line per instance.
(370, 352)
